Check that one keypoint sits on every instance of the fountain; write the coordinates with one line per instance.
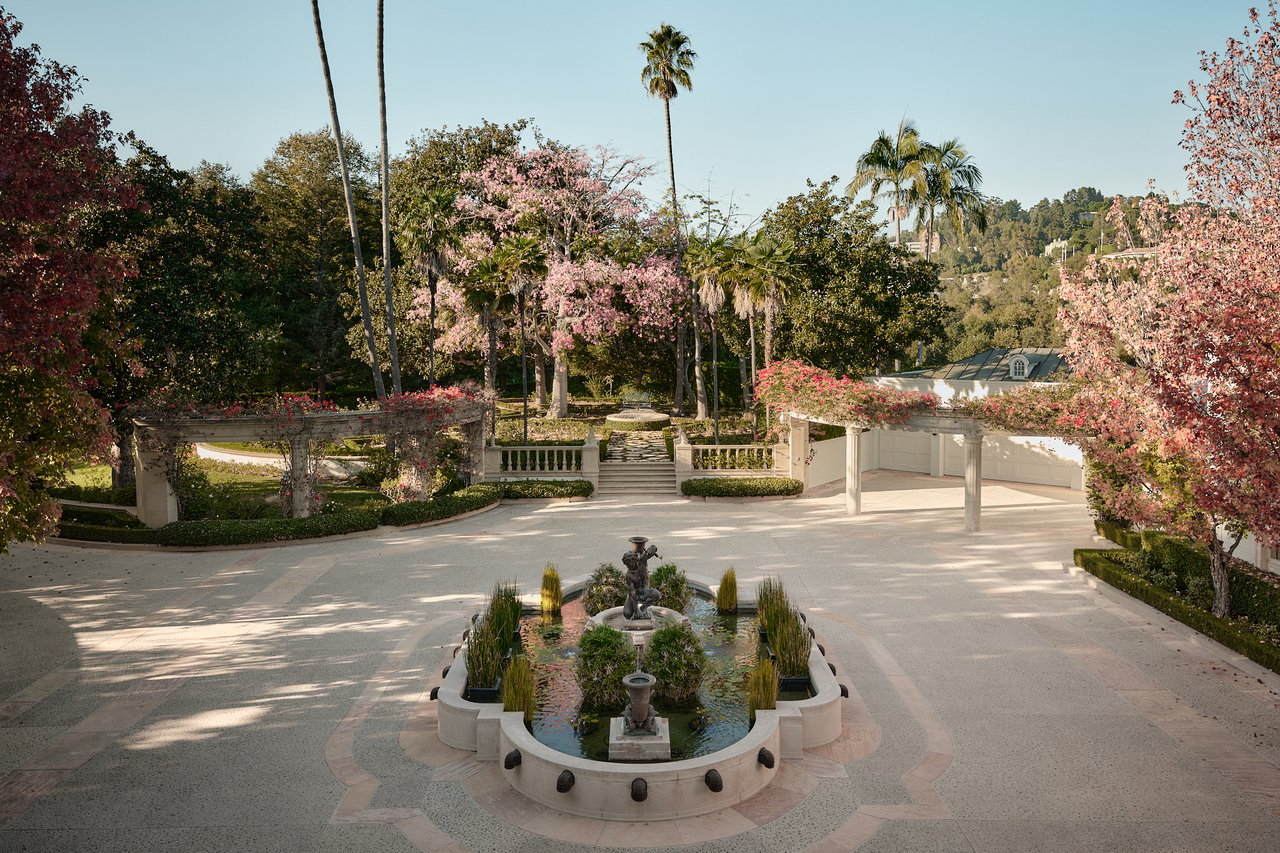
(640, 782)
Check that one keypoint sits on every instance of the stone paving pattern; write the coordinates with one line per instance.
(637, 445)
(277, 699)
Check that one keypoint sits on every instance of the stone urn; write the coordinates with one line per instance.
(637, 716)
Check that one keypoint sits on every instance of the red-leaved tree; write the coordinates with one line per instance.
(56, 176)
(1183, 345)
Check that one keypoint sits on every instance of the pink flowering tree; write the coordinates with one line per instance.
(789, 386)
(1183, 346)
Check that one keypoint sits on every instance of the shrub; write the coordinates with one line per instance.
(99, 517)
(551, 595)
(443, 506)
(741, 487)
(605, 656)
(547, 489)
(675, 657)
(519, 688)
(105, 533)
(485, 649)
(727, 594)
(762, 688)
(789, 641)
(672, 585)
(246, 532)
(607, 587)
(504, 611)
(124, 496)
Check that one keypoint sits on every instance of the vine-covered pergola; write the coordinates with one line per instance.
(414, 421)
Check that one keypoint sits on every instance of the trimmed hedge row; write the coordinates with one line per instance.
(1098, 562)
(547, 489)
(741, 487)
(1253, 594)
(99, 517)
(442, 506)
(127, 496)
(229, 531)
(106, 533)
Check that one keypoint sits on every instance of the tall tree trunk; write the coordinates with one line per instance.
(559, 407)
(491, 369)
(1219, 569)
(540, 376)
(677, 402)
(386, 215)
(897, 221)
(699, 383)
(365, 313)
(700, 388)
(768, 336)
(744, 377)
(431, 330)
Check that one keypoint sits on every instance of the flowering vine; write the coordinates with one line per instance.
(790, 386)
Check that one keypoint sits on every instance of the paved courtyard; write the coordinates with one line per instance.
(277, 699)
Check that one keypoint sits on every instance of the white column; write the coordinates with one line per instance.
(937, 454)
(590, 458)
(973, 482)
(299, 463)
(853, 470)
(799, 455)
(157, 504)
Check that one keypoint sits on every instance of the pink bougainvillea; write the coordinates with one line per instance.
(790, 386)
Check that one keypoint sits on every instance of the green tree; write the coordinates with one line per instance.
(952, 182)
(894, 160)
(429, 232)
(307, 238)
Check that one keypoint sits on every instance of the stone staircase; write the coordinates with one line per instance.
(637, 464)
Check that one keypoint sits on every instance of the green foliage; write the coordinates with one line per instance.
(125, 496)
(789, 640)
(1230, 633)
(107, 533)
(771, 602)
(244, 532)
(504, 610)
(675, 657)
(605, 656)
(672, 585)
(99, 517)
(607, 587)
(727, 593)
(443, 506)
(634, 426)
(521, 489)
(551, 595)
(762, 688)
(741, 487)
(520, 688)
(485, 649)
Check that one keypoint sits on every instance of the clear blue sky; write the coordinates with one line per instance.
(1047, 96)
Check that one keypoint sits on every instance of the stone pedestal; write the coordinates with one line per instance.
(641, 746)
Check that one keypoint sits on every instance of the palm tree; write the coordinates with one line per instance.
(378, 386)
(710, 264)
(951, 181)
(894, 160)
(387, 208)
(487, 296)
(771, 276)
(521, 261)
(429, 231)
(668, 61)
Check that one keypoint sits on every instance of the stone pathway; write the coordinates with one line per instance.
(279, 699)
(638, 446)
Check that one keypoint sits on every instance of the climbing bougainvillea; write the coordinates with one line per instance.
(789, 386)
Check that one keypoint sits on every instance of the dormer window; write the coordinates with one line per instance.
(1019, 367)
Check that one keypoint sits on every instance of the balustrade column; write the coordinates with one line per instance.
(853, 470)
(973, 482)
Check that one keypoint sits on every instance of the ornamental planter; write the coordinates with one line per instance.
(485, 694)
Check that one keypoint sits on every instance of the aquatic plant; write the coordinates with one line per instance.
(790, 643)
(675, 657)
(605, 655)
(672, 585)
(762, 688)
(520, 688)
(607, 587)
(551, 596)
(727, 594)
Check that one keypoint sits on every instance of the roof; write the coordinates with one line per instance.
(993, 366)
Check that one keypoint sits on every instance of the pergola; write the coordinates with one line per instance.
(158, 505)
(936, 423)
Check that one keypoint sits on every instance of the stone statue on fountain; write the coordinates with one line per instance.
(639, 594)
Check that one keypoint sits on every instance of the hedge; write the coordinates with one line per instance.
(106, 533)
(547, 489)
(127, 496)
(228, 531)
(99, 517)
(443, 506)
(741, 487)
(1099, 563)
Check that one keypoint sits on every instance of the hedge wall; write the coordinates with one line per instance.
(443, 506)
(1099, 563)
(741, 487)
(106, 533)
(127, 496)
(547, 489)
(227, 531)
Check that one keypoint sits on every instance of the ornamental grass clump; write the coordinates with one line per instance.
(771, 602)
(520, 688)
(551, 595)
(606, 588)
(675, 657)
(789, 642)
(485, 649)
(672, 585)
(605, 656)
(504, 611)
(762, 688)
(727, 594)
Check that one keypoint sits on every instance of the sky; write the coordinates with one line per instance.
(1047, 97)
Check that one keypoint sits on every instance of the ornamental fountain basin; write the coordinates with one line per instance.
(671, 789)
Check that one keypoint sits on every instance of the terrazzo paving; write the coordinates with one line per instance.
(278, 699)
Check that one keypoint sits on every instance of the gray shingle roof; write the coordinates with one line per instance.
(993, 366)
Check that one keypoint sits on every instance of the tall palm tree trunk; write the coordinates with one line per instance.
(366, 315)
(431, 330)
(386, 214)
(700, 387)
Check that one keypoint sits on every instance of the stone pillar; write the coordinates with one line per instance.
(591, 459)
(157, 504)
(853, 470)
(683, 457)
(973, 482)
(798, 438)
(299, 470)
(937, 454)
